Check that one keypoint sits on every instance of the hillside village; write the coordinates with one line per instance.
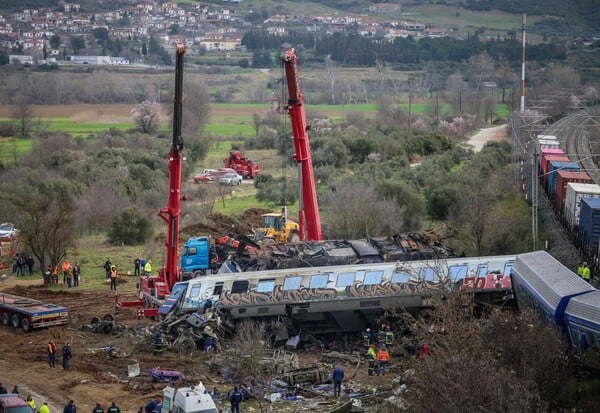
(45, 35)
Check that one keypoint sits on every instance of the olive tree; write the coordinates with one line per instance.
(43, 211)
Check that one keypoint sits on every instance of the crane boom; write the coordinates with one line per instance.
(170, 273)
(309, 219)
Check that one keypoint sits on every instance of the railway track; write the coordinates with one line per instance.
(577, 134)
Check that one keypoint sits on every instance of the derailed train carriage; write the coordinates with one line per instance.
(337, 299)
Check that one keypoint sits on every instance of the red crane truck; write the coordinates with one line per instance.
(242, 165)
(308, 215)
(154, 289)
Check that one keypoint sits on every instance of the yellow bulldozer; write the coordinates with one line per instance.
(278, 227)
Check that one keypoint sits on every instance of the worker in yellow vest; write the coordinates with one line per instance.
(148, 268)
(584, 271)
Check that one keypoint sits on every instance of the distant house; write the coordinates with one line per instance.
(98, 60)
(20, 58)
(221, 44)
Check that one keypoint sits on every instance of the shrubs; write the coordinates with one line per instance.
(130, 228)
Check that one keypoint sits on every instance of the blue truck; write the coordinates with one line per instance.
(27, 313)
(196, 257)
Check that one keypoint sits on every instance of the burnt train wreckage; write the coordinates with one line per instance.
(242, 254)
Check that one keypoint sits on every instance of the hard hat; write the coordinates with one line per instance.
(368, 330)
(585, 263)
(113, 267)
(388, 328)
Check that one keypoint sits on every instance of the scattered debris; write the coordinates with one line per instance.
(166, 376)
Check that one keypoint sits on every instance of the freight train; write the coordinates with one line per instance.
(573, 194)
(559, 296)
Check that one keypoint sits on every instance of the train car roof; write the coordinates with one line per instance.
(585, 307)
(546, 276)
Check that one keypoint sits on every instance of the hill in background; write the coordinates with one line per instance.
(552, 17)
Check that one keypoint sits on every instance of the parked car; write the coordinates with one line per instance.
(230, 179)
(204, 178)
(13, 404)
(8, 231)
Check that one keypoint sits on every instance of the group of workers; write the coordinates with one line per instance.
(376, 351)
(584, 271)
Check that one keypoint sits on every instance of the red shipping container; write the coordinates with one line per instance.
(547, 152)
(562, 179)
(546, 164)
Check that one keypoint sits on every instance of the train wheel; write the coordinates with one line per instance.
(95, 321)
(187, 347)
(198, 273)
(26, 325)
(109, 317)
(16, 321)
(6, 319)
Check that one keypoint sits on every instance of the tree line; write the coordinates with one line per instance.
(354, 49)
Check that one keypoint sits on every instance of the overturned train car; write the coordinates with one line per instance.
(337, 299)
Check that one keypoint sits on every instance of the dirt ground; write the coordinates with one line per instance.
(99, 376)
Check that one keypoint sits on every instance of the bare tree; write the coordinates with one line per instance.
(481, 69)
(495, 362)
(23, 112)
(355, 211)
(249, 353)
(457, 87)
(331, 74)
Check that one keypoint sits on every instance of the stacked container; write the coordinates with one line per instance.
(575, 192)
(563, 178)
(589, 222)
(544, 152)
(555, 167)
(546, 164)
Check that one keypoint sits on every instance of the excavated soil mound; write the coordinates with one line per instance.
(218, 224)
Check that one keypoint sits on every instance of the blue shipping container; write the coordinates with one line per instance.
(589, 222)
(553, 175)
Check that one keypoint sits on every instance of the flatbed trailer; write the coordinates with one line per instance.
(27, 313)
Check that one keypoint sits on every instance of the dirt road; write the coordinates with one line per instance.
(496, 133)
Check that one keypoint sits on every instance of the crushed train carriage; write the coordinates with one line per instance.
(333, 299)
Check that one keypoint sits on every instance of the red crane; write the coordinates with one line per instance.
(153, 289)
(308, 216)
(170, 273)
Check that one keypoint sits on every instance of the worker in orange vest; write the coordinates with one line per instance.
(66, 266)
(113, 278)
(383, 357)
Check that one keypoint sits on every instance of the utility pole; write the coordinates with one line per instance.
(522, 107)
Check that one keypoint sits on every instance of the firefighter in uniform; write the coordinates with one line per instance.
(368, 339)
(372, 359)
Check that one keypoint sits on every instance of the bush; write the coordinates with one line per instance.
(130, 228)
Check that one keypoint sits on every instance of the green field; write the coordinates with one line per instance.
(227, 129)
